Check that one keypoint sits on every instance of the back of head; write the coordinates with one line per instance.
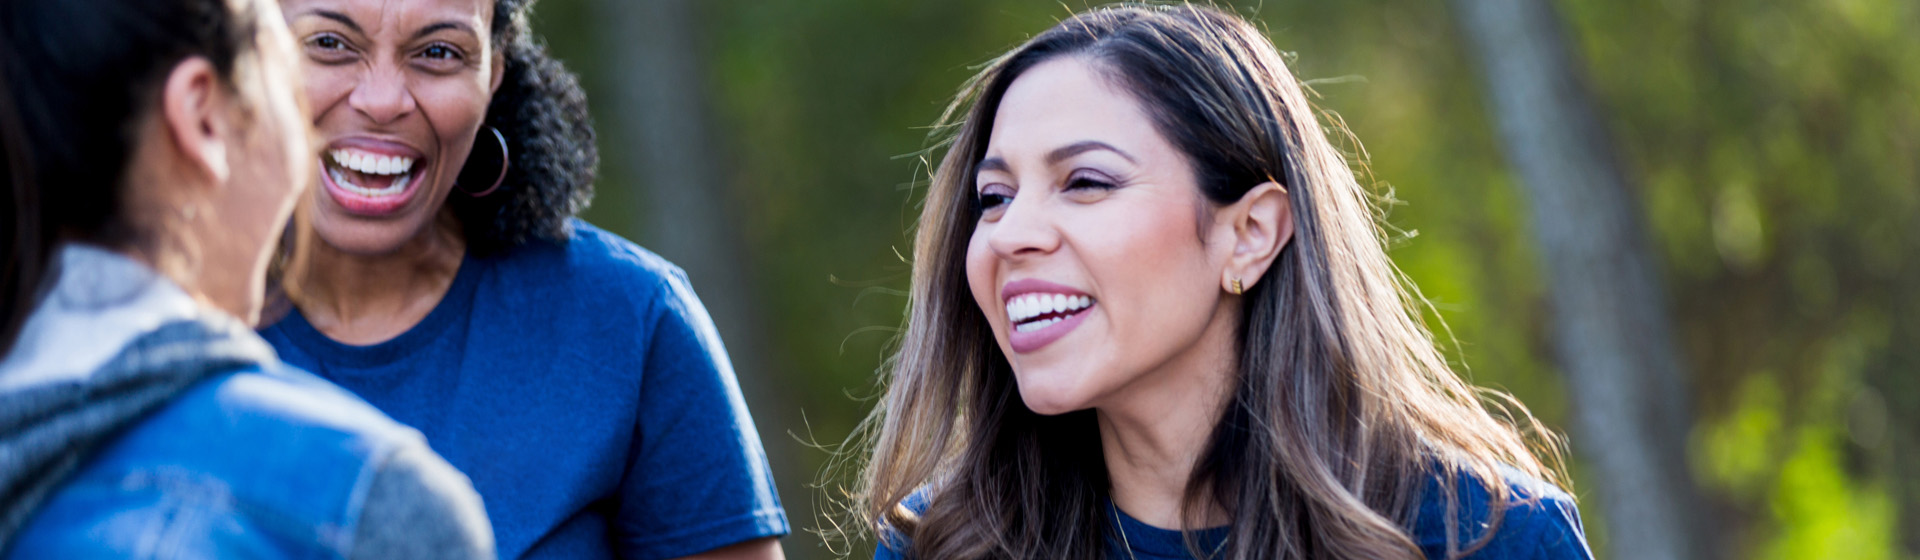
(75, 79)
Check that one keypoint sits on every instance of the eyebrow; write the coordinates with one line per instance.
(1082, 147)
(1057, 155)
(436, 27)
(442, 26)
(339, 17)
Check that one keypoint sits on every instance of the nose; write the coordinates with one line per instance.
(1024, 230)
(382, 95)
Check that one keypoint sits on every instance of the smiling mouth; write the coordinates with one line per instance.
(1033, 312)
(368, 174)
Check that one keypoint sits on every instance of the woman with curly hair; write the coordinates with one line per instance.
(1152, 316)
(571, 374)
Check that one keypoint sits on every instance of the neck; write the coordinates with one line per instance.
(366, 299)
(1154, 433)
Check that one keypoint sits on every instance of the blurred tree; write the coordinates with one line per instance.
(1609, 310)
(658, 99)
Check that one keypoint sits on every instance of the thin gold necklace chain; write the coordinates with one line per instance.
(1122, 527)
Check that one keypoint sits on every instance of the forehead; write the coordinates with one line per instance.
(376, 17)
(1064, 101)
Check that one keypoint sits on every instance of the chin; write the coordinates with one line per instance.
(357, 235)
(1051, 394)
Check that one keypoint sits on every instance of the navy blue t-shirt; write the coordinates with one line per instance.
(584, 390)
(1542, 525)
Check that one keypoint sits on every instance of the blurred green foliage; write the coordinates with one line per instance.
(1773, 144)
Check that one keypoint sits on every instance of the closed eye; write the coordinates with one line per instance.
(1079, 183)
(1084, 179)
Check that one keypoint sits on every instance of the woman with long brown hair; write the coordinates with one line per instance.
(1152, 316)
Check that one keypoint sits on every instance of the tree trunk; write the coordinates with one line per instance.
(1629, 388)
(654, 63)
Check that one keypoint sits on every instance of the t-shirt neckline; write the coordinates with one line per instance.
(1155, 541)
(452, 306)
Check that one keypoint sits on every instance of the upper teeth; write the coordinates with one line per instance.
(372, 164)
(1028, 306)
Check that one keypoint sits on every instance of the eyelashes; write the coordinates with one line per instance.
(997, 195)
(988, 201)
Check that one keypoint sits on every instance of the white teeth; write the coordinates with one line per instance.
(1024, 307)
(398, 186)
(372, 164)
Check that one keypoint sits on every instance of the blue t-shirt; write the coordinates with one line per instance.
(584, 390)
(1545, 525)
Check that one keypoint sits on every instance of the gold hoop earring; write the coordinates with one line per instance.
(1237, 288)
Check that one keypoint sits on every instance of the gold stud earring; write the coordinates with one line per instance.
(1237, 289)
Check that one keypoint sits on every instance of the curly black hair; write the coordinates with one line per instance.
(542, 112)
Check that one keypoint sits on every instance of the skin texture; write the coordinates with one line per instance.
(216, 170)
(1080, 189)
(420, 74)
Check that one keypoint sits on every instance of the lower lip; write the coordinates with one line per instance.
(1025, 342)
(359, 204)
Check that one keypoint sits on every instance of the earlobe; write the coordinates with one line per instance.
(194, 112)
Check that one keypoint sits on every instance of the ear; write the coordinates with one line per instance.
(194, 109)
(499, 72)
(1262, 226)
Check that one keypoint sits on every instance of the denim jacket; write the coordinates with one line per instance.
(193, 441)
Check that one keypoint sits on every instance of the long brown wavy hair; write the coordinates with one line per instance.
(1342, 407)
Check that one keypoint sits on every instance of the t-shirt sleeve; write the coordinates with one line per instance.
(698, 477)
(1547, 528)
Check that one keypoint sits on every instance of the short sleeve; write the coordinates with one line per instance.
(1538, 522)
(1546, 528)
(698, 477)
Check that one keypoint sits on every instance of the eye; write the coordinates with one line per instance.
(328, 48)
(440, 52)
(992, 198)
(1085, 182)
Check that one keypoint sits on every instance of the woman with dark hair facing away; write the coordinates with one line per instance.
(152, 152)
(573, 375)
(1152, 316)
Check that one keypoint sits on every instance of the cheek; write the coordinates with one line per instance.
(1152, 273)
(456, 107)
(982, 275)
(327, 87)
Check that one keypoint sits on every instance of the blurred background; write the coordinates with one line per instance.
(1765, 151)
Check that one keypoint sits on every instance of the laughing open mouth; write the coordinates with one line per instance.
(368, 182)
(1033, 312)
(370, 175)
